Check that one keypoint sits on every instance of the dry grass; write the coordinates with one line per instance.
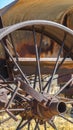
(60, 123)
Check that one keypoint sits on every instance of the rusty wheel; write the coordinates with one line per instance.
(37, 83)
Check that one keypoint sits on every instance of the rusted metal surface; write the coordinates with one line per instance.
(52, 30)
(37, 105)
(44, 107)
(51, 10)
(3, 97)
(36, 53)
(55, 107)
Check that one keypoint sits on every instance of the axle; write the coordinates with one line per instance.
(48, 110)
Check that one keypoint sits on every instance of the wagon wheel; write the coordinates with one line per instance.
(31, 92)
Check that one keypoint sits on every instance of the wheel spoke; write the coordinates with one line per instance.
(20, 124)
(32, 99)
(40, 45)
(53, 125)
(35, 79)
(15, 62)
(7, 119)
(56, 65)
(64, 58)
(36, 126)
(37, 59)
(63, 87)
(59, 65)
(24, 124)
(13, 47)
(29, 126)
(12, 97)
(66, 118)
(45, 126)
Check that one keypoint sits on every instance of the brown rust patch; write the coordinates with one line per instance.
(49, 48)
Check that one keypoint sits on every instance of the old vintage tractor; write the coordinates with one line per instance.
(36, 61)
